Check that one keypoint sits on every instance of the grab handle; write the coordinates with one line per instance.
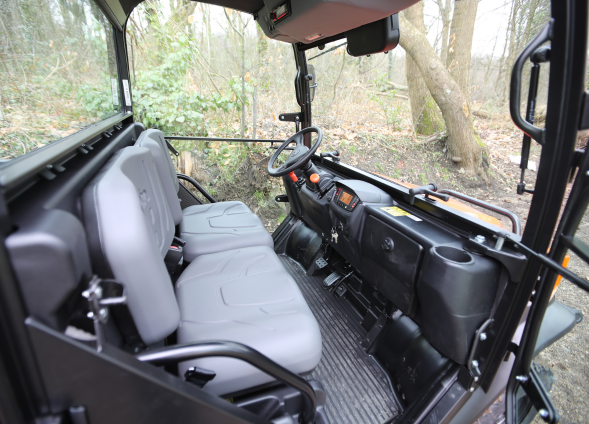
(534, 132)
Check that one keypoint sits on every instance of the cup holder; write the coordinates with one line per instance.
(453, 254)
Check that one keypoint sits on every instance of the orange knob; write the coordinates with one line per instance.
(314, 178)
(293, 176)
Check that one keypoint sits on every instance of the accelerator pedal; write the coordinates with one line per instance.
(331, 279)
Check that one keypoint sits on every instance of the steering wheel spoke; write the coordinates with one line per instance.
(299, 139)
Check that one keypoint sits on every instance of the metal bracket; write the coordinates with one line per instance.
(374, 332)
(99, 299)
(480, 336)
(514, 262)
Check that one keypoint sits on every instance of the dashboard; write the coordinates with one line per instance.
(408, 258)
(345, 199)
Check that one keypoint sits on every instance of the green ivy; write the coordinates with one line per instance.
(162, 97)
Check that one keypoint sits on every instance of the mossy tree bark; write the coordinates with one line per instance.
(449, 97)
(459, 49)
(426, 116)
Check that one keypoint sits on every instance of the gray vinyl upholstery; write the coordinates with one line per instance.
(241, 295)
(246, 296)
(216, 227)
(154, 140)
(135, 228)
(207, 228)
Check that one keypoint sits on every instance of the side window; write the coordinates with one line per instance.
(204, 71)
(58, 73)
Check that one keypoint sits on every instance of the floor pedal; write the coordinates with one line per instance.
(331, 279)
(321, 263)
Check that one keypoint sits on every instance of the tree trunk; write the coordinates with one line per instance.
(458, 60)
(425, 114)
(242, 132)
(531, 14)
(507, 65)
(444, 6)
(449, 97)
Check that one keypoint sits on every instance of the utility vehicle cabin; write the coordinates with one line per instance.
(128, 294)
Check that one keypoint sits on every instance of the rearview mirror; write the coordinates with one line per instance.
(376, 37)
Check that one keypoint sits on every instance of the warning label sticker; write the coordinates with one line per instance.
(395, 211)
(127, 92)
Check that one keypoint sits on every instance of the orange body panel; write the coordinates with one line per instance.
(455, 204)
(565, 263)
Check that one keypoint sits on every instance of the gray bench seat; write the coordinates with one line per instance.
(206, 228)
(241, 295)
(246, 296)
(221, 226)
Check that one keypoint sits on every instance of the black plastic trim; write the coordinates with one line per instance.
(304, 47)
(19, 169)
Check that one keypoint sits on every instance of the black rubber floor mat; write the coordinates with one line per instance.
(357, 389)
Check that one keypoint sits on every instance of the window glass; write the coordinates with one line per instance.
(382, 114)
(58, 73)
(205, 71)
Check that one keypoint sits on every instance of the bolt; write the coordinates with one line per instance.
(543, 413)
(104, 313)
(483, 336)
(521, 378)
(499, 243)
(476, 379)
(480, 239)
(471, 389)
(475, 363)
(587, 173)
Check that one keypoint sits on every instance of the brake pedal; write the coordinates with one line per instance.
(321, 263)
(331, 279)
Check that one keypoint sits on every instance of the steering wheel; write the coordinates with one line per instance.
(298, 157)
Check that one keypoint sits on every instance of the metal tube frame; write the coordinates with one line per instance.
(174, 354)
(516, 225)
(197, 186)
(231, 140)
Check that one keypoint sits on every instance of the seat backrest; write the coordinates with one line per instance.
(154, 140)
(128, 219)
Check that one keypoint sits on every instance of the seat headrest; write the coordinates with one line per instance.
(154, 140)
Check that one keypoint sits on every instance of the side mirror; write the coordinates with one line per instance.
(312, 78)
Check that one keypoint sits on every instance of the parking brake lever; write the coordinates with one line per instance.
(333, 155)
(428, 190)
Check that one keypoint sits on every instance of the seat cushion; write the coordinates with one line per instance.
(246, 296)
(217, 227)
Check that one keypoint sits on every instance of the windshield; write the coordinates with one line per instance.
(58, 72)
(385, 117)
